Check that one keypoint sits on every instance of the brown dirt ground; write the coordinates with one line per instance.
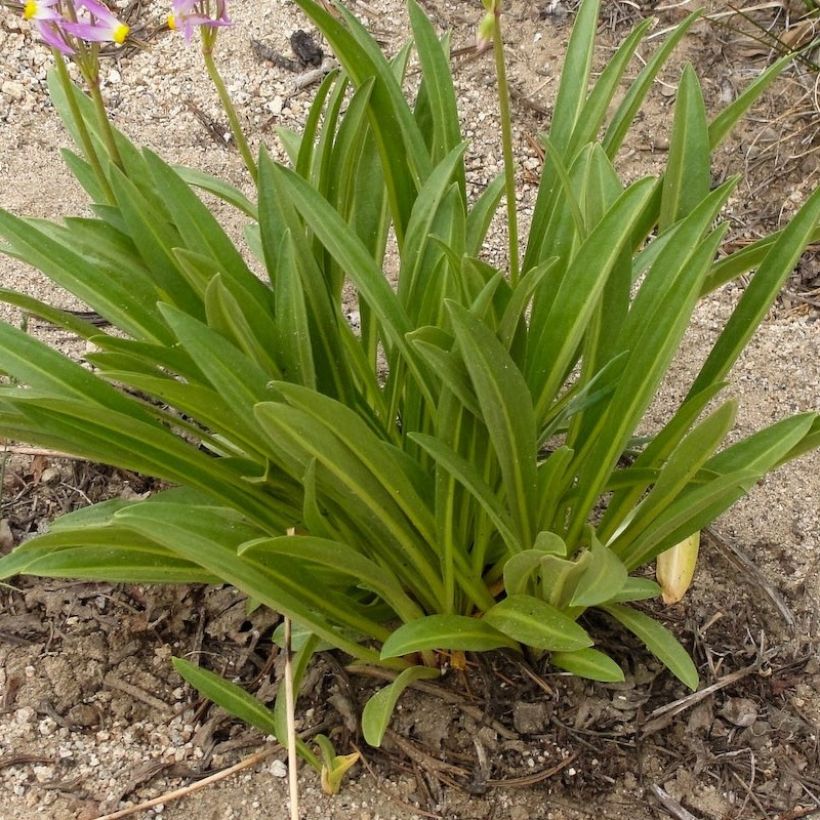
(92, 719)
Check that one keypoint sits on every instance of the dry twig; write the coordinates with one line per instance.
(177, 794)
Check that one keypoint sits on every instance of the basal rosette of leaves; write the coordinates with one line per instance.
(454, 470)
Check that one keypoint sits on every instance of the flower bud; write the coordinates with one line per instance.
(486, 30)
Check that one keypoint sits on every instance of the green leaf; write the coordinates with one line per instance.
(103, 287)
(155, 238)
(299, 638)
(469, 477)
(230, 372)
(603, 578)
(726, 120)
(61, 318)
(506, 409)
(681, 467)
(105, 553)
(84, 174)
(434, 58)
(693, 510)
(341, 558)
(651, 352)
(651, 459)
(305, 159)
(590, 664)
(760, 293)
(450, 367)
(660, 642)
(218, 187)
(604, 89)
(401, 477)
(295, 347)
(249, 325)
(688, 177)
(635, 96)
(332, 367)
(379, 708)
(515, 310)
(560, 577)
(232, 698)
(554, 476)
(537, 624)
(354, 258)
(522, 569)
(412, 279)
(404, 157)
(482, 213)
(444, 632)
(573, 305)
(305, 438)
(572, 94)
(200, 231)
(637, 589)
(210, 538)
(572, 91)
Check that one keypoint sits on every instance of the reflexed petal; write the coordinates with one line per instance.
(104, 28)
(52, 35)
(41, 10)
(188, 15)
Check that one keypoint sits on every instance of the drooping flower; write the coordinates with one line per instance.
(102, 27)
(188, 15)
(50, 24)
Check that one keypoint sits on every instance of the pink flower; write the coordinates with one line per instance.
(102, 27)
(188, 15)
(49, 23)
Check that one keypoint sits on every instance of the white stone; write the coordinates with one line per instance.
(13, 90)
(278, 769)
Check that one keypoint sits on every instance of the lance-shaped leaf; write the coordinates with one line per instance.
(506, 408)
(210, 538)
(659, 641)
(379, 708)
(588, 663)
(469, 477)
(688, 178)
(523, 569)
(603, 578)
(444, 632)
(434, 58)
(401, 146)
(681, 467)
(537, 624)
(348, 250)
(341, 558)
(760, 293)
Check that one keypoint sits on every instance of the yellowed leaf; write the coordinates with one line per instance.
(675, 568)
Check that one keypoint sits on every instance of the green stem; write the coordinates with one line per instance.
(82, 129)
(227, 104)
(506, 142)
(105, 123)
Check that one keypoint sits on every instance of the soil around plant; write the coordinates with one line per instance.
(92, 718)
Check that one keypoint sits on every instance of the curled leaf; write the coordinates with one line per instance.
(675, 568)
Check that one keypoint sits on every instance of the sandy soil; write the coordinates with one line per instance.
(91, 719)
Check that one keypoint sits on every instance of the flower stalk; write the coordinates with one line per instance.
(208, 16)
(506, 141)
(79, 122)
(93, 80)
(227, 104)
